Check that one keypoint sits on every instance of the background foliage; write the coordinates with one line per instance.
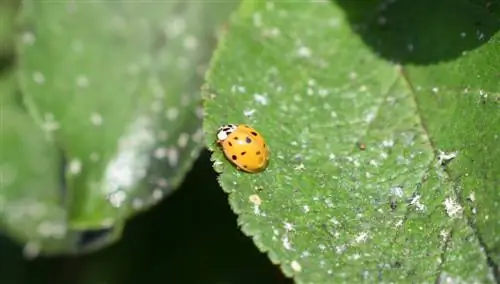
(382, 118)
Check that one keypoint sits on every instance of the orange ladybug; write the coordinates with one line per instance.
(244, 147)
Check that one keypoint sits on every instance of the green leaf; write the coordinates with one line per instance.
(383, 132)
(115, 88)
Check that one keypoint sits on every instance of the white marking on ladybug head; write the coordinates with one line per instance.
(224, 131)
(221, 135)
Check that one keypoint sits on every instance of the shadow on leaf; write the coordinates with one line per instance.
(422, 32)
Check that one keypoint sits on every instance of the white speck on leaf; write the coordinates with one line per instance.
(175, 26)
(304, 52)
(162, 135)
(51, 229)
(240, 89)
(31, 250)
(50, 124)
(137, 203)
(472, 196)
(416, 201)
(157, 194)
(288, 226)
(361, 238)
(257, 19)
(160, 153)
(453, 208)
(310, 91)
(269, 6)
(107, 222)
(173, 157)
(96, 119)
(397, 191)
(383, 155)
(295, 266)
(483, 95)
(480, 35)
(435, 90)
(340, 249)
(286, 242)
(299, 167)
(249, 112)
(38, 77)
(382, 20)
(323, 93)
(172, 113)
(198, 135)
(127, 167)
(28, 38)
(271, 32)
(444, 235)
(82, 81)
(183, 140)
(162, 182)
(190, 42)
(262, 99)
(443, 157)
(370, 116)
(388, 143)
(255, 199)
(334, 22)
(75, 166)
(200, 112)
(117, 198)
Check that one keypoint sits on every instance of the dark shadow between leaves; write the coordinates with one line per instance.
(190, 237)
(425, 31)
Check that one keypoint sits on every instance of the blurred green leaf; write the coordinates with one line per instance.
(383, 131)
(115, 88)
(8, 12)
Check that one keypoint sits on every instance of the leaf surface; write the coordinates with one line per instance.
(371, 161)
(113, 88)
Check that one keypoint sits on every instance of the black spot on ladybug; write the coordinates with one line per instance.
(243, 153)
(230, 144)
(264, 145)
(225, 129)
(246, 126)
(248, 140)
(234, 157)
(245, 166)
(228, 132)
(235, 138)
(254, 133)
(258, 153)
